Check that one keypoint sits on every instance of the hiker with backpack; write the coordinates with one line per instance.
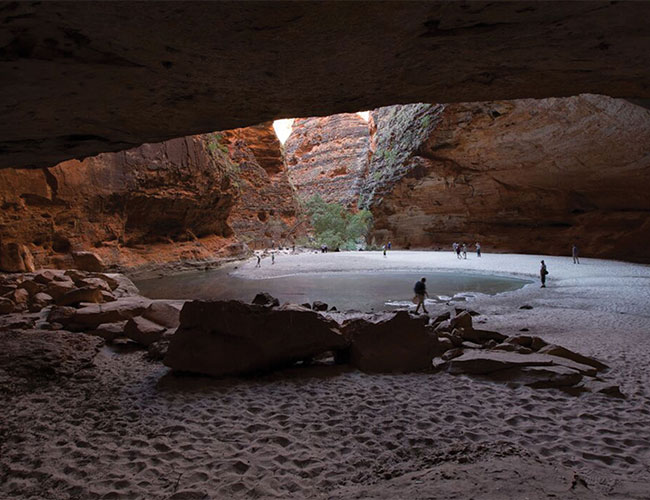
(420, 290)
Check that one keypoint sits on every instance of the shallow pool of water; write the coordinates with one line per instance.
(364, 291)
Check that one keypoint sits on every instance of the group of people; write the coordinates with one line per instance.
(461, 249)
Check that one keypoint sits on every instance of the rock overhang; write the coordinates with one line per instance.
(80, 79)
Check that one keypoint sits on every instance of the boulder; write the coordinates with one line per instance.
(471, 312)
(121, 286)
(88, 261)
(90, 317)
(481, 362)
(83, 294)
(512, 348)
(540, 377)
(319, 306)
(599, 386)
(462, 320)
(62, 315)
(266, 299)
(109, 331)
(559, 351)
(15, 258)
(444, 344)
(391, 342)
(230, 337)
(31, 286)
(95, 283)
(58, 289)
(107, 296)
(440, 318)
(45, 276)
(478, 362)
(39, 301)
(143, 331)
(480, 336)
(164, 312)
(7, 288)
(452, 353)
(6, 306)
(534, 343)
(158, 350)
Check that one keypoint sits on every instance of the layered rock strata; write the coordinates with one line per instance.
(179, 200)
(266, 212)
(530, 176)
(328, 156)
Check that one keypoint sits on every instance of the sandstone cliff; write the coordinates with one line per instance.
(527, 175)
(266, 211)
(328, 156)
(172, 201)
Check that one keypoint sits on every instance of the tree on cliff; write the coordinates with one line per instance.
(336, 227)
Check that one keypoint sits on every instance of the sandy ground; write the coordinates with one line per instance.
(128, 429)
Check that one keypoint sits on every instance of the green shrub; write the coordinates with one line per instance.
(337, 227)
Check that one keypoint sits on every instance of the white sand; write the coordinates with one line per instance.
(126, 429)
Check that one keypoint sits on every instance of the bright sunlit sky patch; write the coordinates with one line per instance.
(283, 127)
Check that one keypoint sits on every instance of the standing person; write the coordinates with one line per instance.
(574, 253)
(384, 250)
(389, 245)
(272, 257)
(454, 246)
(478, 249)
(458, 251)
(542, 274)
(259, 260)
(420, 290)
(464, 251)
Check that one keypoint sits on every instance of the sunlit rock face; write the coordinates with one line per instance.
(265, 213)
(526, 175)
(328, 156)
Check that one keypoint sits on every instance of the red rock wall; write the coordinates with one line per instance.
(528, 176)
(266, 211)
(158, 203)
(328, 156)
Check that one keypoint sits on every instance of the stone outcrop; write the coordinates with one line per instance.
(80, 79)
(328, 156)
(175, 201)
(391, 342)
(230, 337)
(265, 212)
(527, 175)
(158, 202)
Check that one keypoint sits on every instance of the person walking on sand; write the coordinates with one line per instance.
(384, 250)
(420, 290)
(458, 251)
(272, 257)
(389, 245)
(259, 260)
(478, 249)
(464, 251)
(574, 254)
(542, 274)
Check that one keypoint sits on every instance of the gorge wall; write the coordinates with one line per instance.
(197, 197)
(531, 176)
(328, 156)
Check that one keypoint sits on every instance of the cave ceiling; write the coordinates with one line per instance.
(77, 79)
